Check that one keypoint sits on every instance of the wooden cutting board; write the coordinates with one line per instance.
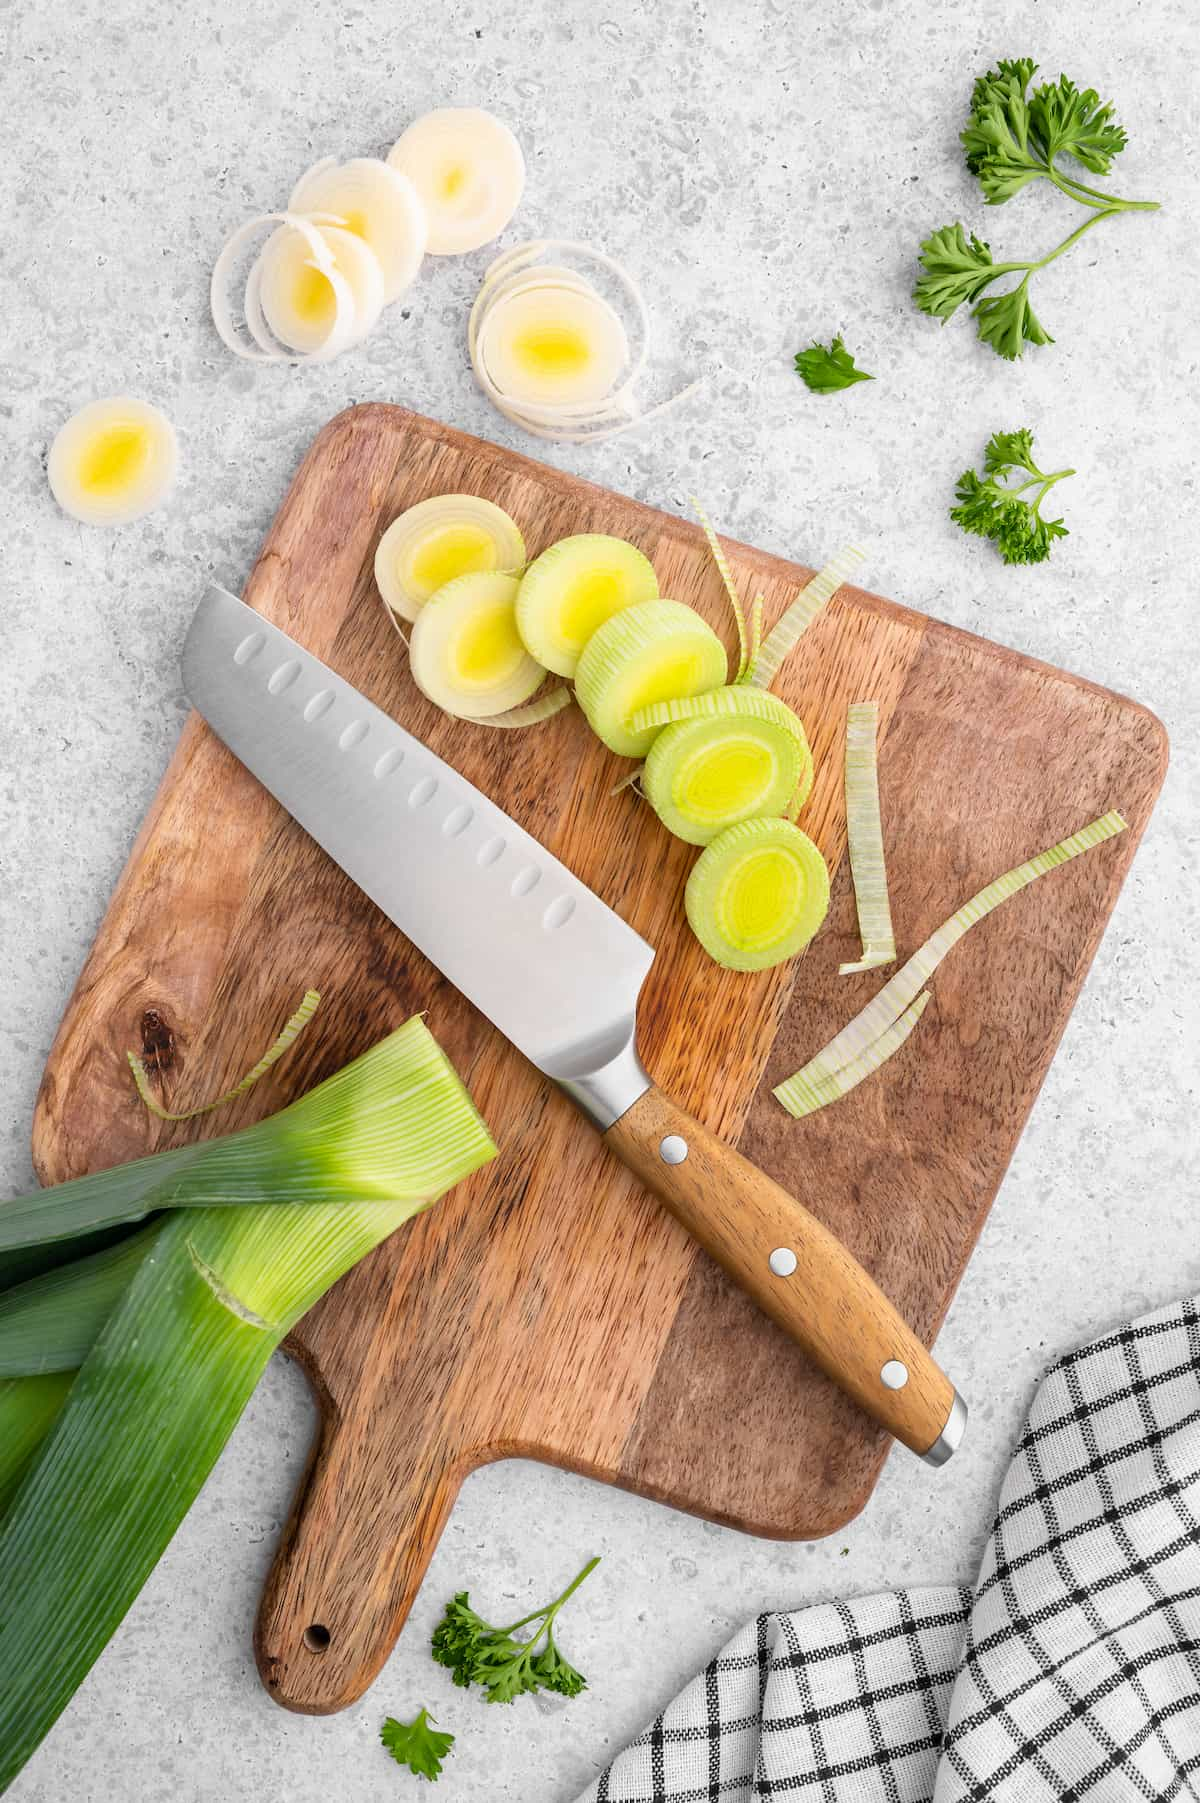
(549, 1308)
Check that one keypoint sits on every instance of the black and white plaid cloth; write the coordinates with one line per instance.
(1071, 1671)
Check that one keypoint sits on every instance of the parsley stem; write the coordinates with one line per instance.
(1058, 476)
(1106, 213)
(550, 1610)
(1096, 197)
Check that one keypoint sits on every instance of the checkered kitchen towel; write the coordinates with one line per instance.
(1070, 1672)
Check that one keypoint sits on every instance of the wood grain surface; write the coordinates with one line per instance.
(550, 1308)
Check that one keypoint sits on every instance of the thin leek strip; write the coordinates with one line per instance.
(896, 995)
(656, 651)
(542, 707)
(274, 1053)
(569, 592)
(29, 1407)
(52, 1322)
(465, 652)
(757, 894)
(812, 599)
(162, 1389)
(728, 755)
(801, 1095)
(295, 1156)
(439, 539)
(726, 575)
(864, 832)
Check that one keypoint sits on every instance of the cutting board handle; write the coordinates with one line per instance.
(365, 1521)
(796, 1270)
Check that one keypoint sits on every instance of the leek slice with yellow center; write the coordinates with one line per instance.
(757, 894)
(655, 651)
(465, 651)
(468, 169)
(725, 756)
(438, 540)
(379, 205)
(113, 461)
(568, 593)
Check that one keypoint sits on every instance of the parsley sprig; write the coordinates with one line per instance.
(417, 1744)
(477, 1653)
(1008, 514)
(1012, 138)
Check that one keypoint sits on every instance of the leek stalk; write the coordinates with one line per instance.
(165, 1383)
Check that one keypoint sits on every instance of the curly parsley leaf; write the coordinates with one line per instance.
(997, 138)
(417, 1744)
(826, 371)
(1072, 121)
(475, 1652)
(1008, 323)
(954, 269)
(991, 508)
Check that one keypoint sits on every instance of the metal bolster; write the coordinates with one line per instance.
(950, 1438)
(610, 1090)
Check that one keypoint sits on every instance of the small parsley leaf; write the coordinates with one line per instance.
(991, 508)
(826, 371)
(417, 1744)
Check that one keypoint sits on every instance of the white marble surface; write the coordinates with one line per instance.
(768, 169)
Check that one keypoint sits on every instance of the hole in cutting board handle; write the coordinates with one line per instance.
(316, 1637)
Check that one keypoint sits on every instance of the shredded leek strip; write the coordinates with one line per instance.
(294, 1027)
(791, 626)
(583, 414)
(864, 832)
(726, 575)
(803, 1095)
(542, 707)
(896, 996)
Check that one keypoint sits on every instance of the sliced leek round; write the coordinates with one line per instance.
(341, 321)
(543, 339)
(654, 651)
(438, 540)
(465, 651)
(729, 762)
(378, 204)
(468, 169)
(113, 461)
(573, 588)
(298, 299)
(757, 894)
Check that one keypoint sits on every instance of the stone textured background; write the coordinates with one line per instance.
(767, 170)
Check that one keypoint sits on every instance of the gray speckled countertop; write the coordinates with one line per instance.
(768, 170)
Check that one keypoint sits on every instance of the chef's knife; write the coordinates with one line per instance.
(559, 974)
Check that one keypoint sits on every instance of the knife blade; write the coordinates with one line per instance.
(558, 972)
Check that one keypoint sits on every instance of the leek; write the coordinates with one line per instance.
(465, 651)
(291, 1031)
(880, 1016)
(165, 1383)
(52, 1322)
(728, 755)
(293, 1156)
(864, 833)
(446, 536)
(655, 651)
(568, 593)
(757, 894)
(813, 598)
(803, 1095)
(29, 1407)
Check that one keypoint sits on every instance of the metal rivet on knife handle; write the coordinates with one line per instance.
(673, 1149)
(894, 1374)
(782, 1261)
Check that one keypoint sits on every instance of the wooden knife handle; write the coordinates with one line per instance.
(796, 1270)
